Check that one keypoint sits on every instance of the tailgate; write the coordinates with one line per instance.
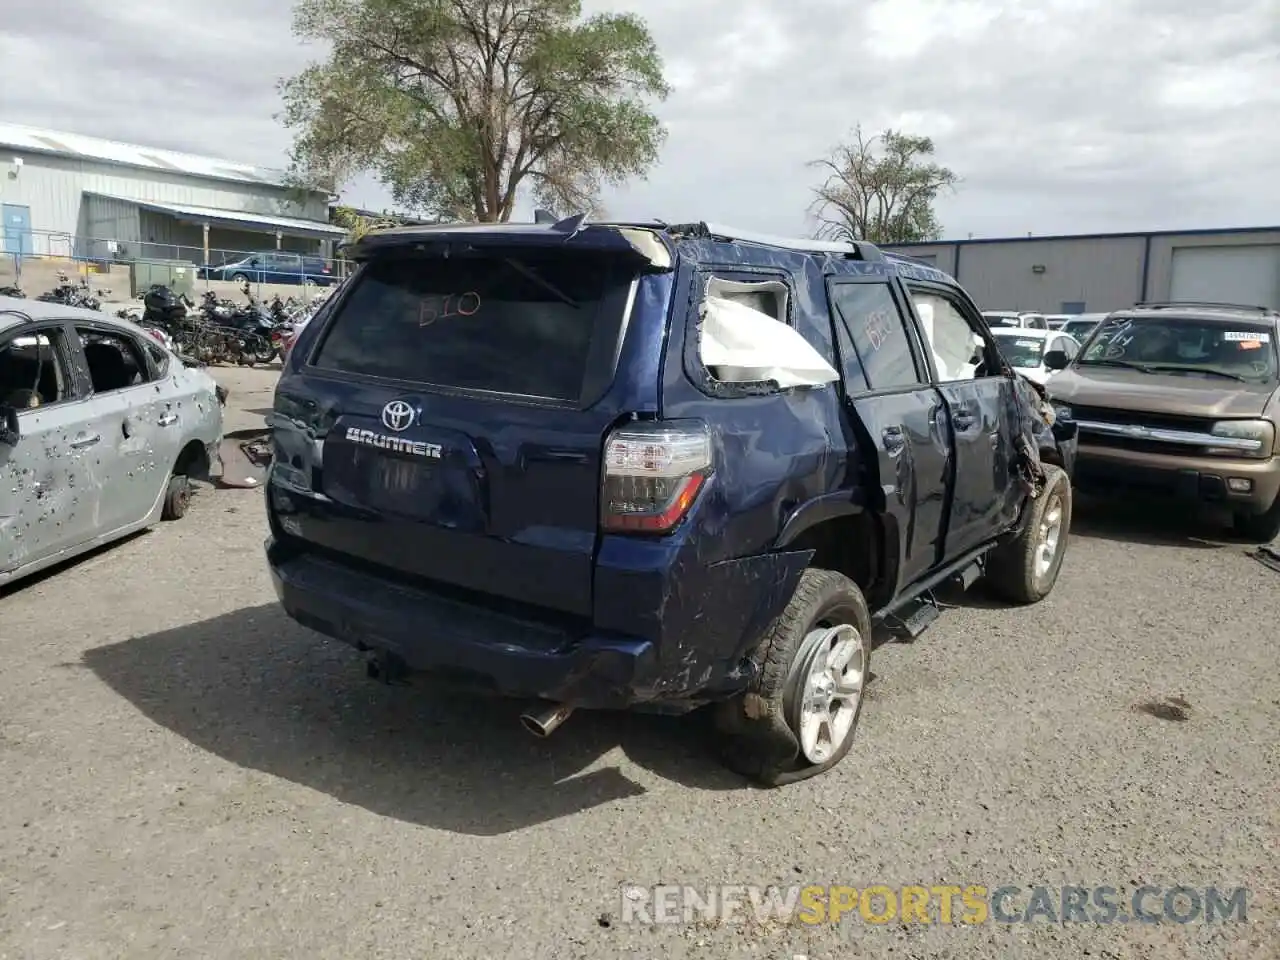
(460, 406)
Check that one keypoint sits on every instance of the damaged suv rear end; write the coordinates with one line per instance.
(464, 483)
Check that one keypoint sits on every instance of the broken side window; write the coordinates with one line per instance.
(160, 358)
(744, 337)
(115, 360)
(958, 350)
(31, 371)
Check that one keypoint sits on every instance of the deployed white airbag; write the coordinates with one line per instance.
(741, 345)
(951, 341)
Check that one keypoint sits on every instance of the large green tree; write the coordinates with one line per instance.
(881, 188)
(459, 106)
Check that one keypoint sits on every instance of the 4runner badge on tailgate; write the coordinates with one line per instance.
(369, 438)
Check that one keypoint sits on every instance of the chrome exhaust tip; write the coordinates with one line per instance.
(542, 722)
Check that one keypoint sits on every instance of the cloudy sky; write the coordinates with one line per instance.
(1059, 115)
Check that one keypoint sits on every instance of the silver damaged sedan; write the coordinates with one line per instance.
(102, 430)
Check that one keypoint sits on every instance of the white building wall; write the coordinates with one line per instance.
(53, 188)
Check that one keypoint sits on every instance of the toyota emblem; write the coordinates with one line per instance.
(397, 415)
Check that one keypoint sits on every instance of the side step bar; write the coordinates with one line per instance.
(916, 610)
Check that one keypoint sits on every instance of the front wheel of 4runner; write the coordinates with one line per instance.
(800, 717)
(1025, 569)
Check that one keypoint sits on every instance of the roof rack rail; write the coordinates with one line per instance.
(1162, 304)
(861, 248)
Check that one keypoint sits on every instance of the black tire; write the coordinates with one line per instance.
(1011, 569)
(760, 727)
(177, 499)
(239, 278)
(263, 352)
(1260, 527)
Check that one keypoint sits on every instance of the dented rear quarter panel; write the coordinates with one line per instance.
(784, 459)
(713, 588)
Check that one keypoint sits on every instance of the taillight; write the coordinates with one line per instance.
(652, 475)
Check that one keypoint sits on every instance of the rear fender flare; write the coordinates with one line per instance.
(833, 507)
(828, 506)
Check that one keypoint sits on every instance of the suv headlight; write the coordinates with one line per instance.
(1261, 433)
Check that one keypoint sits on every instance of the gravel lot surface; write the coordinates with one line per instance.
(185, 773)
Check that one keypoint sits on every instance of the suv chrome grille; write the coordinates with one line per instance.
(1142, 418)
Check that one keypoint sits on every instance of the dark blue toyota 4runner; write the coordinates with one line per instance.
(654, 467)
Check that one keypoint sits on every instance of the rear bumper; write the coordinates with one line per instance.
(505, 654)
(1191, 479)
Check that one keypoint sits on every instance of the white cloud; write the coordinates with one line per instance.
(1059, 115)
(903, 29)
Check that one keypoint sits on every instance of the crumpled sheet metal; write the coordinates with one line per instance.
(246, 455)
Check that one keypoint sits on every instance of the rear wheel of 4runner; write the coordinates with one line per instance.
(1260, 527)
(800, 717)
(1025, 569)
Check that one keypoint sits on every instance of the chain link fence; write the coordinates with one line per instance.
(121, 269)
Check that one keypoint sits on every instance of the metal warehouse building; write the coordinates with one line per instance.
(65, 195)
(1102, 272)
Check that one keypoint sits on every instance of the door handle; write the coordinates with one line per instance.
(81, 442)
(168, 419)
(893, 440)
(964, 419)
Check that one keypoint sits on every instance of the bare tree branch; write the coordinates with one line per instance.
(881, 188)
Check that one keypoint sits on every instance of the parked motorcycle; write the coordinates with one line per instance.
(228, 331)
(163, 308)
(73, 294)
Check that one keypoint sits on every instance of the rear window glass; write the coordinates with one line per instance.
(525, 324)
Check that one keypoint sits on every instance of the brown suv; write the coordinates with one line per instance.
(1182, 399)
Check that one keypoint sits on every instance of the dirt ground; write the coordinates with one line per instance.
(184, 772)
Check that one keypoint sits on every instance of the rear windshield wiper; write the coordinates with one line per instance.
(1163, 367)
(531, 274)
(1132, 365)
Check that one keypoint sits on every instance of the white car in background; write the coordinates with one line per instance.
(1017, 319)
(1025, 350)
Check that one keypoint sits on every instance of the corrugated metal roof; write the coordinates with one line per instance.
(14, 136)
(194, 214)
